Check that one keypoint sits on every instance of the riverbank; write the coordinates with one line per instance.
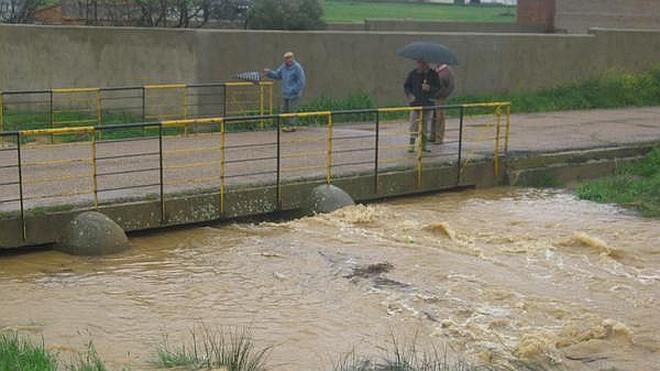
(635, 186)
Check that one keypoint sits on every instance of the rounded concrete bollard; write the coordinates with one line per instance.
(327, 198)
(92, 233)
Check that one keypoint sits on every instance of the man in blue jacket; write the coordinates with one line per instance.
(293, 81)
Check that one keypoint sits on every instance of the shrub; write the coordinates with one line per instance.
(285, 15)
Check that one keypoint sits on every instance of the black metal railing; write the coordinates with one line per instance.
(90, 166)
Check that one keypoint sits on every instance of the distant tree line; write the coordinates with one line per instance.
(19, 11)
(160, 13)
(255, 14)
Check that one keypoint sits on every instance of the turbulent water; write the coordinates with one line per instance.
(494, 275)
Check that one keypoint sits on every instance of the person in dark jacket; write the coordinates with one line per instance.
(421, 87)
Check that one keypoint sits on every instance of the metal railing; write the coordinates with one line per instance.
(85, 167)
(67, 107)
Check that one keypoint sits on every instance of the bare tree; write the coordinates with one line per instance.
(19, 11)
(161, 13)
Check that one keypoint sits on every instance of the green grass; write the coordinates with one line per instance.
(20, 353)
(27, 120)
(233, 350)
(337, 11)
(87, 361)
(410, 356)
(636, 186)
(613, 89)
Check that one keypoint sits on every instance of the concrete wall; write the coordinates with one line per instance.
(578, 16)
(336, 63)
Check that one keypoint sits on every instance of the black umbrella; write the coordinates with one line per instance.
(428, 52)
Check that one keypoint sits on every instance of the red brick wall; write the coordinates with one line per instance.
(537, 12)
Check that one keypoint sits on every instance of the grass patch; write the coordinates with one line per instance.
(27, 120)
(233, 350)
(410, 357)
(357, 11)
(612, 89)
(87, 361)
(636, 186)
(20, 353)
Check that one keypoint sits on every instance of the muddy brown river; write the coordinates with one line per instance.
(494, 275)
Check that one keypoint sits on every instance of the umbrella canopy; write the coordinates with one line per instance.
(428, 52)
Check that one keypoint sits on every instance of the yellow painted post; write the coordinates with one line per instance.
(94, 171)
(508, 130)
(420, 144)
(498, 113)
(261, 104)
(328, 175)
(222, 166)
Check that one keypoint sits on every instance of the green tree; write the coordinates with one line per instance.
(285, 15)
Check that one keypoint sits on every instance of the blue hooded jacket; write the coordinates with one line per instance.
(293, 79)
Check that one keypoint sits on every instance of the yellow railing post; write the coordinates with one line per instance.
(328, 175)
(222, 166)
(94, 170)
(420, 143)
(498, 113)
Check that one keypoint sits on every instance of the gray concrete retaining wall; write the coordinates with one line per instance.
(336, 62)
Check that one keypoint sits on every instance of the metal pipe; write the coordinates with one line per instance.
(185, 109)
(2, 120)
(99, 112)
(376, 153)
(261, 104)
(328, 176)
(459, 169)
(279, 167)
(508, 130)
(161, 175)
(144, 110)
(51, 115)
(20, 185)
(94, 171)
(222, 167)
(224, 100)
(420, 144)
(498, 113)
